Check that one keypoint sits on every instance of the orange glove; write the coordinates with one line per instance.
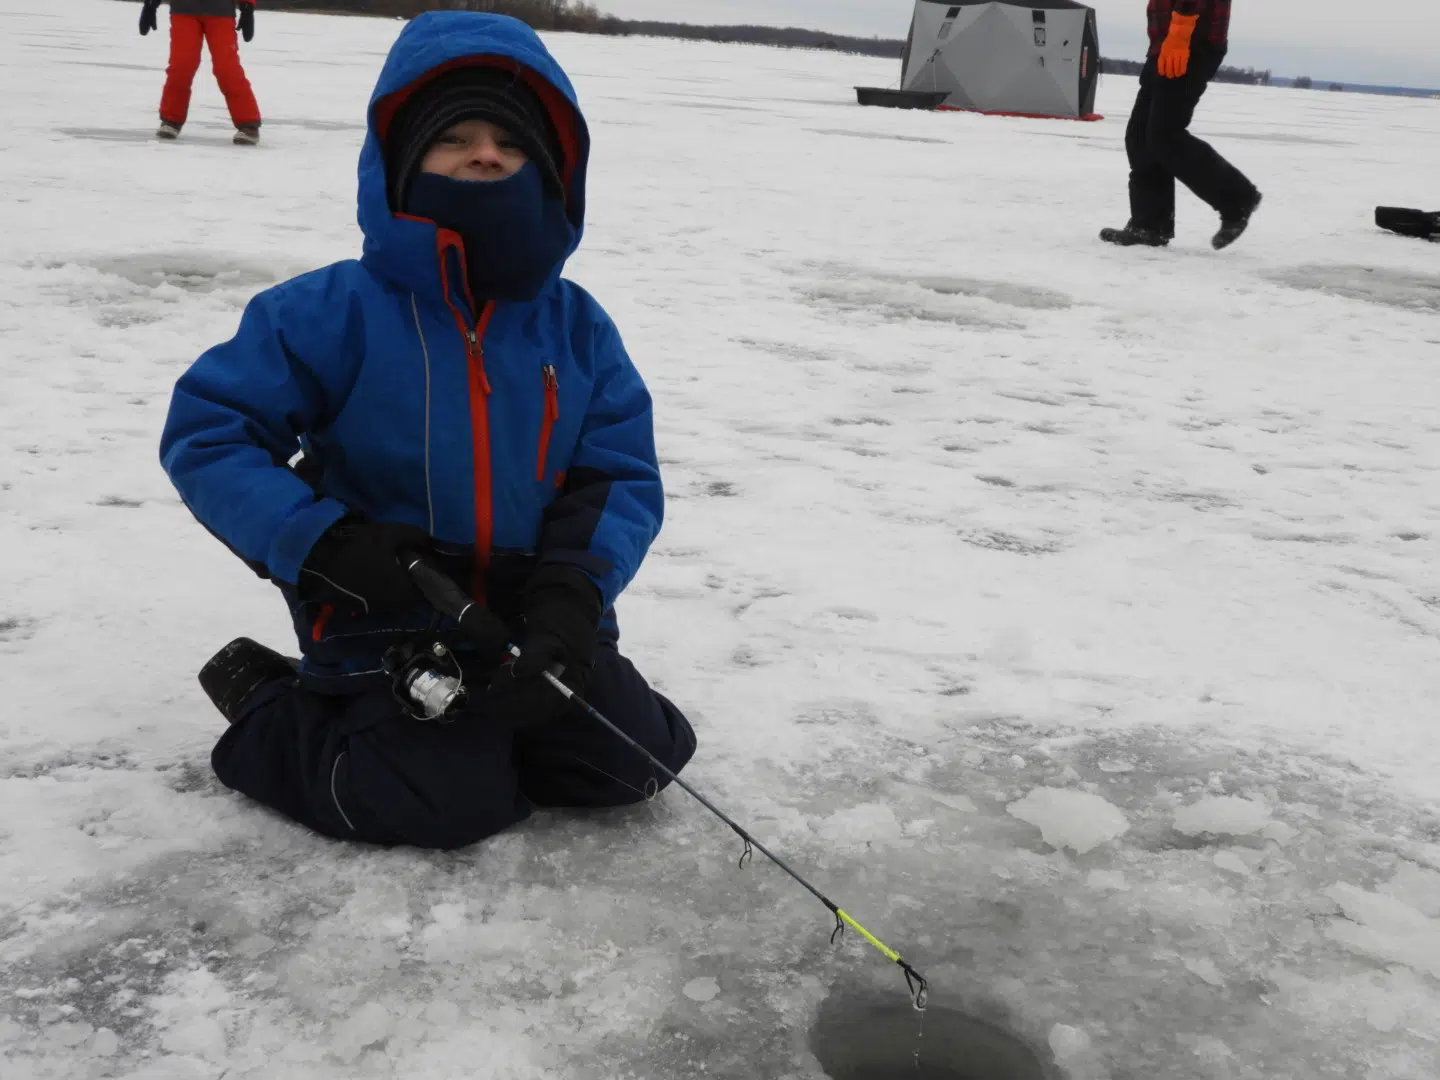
(1175, 52)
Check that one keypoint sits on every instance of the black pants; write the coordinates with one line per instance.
(358, 768)
(1162, 150)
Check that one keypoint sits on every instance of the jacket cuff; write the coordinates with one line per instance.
(291, 547)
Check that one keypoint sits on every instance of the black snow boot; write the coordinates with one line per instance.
(1233, 224)
(1133, 235)
(237, 671)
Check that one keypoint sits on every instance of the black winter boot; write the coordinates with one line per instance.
(1234, 223)
(236, 672)
(1133, 235)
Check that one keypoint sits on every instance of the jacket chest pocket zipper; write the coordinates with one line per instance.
(547, 423)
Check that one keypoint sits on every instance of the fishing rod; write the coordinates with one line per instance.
(449, 599)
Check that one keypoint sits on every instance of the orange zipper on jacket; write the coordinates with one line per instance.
(479, 387)
(547, 425)
(317, 631)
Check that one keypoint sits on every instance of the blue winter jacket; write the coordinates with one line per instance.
(517, 434)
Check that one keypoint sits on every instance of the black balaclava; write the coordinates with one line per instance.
(515, 231)
(470, 93)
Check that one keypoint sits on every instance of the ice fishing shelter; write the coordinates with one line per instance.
(1031, 58)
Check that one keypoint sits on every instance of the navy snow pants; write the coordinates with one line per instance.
(356, 767)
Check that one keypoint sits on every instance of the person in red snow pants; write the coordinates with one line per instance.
(212, 23)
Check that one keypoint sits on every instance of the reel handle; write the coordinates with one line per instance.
(441, 592)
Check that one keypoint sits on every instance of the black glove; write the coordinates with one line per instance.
(562, 613)
(148, 20)
(355, 566)
(246, 25)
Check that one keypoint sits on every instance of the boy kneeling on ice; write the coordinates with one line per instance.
(452, 396)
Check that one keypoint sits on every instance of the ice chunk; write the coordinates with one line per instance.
(201, 1036)
(866, 823)
(1386, 929)
(366, 1026)
(71, 1034)
(1106, 879)
(1279, 832)
(1222, 815)
(1228, 860)
(1416, 886)
(1074, 819)
(105, 1043)
(960, 803)
(1068, 1042)
(1383, 1014)
(1210, 1049)
(918, 827)
(1205, 968)
(706, 989)
(254, 946)
(447, 917)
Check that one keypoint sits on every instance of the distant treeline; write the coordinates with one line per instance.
(790, 37)
(576, 15)
(1248, 76)
(583, 17)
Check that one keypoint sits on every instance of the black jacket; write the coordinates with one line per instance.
(203, 7)
(1213, 27)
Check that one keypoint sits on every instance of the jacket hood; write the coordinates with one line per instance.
(405, 250)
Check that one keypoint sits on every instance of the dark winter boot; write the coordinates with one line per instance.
(1133, 235)
(167, 131)
(237, 671)
(1233, 224)
(247, 135)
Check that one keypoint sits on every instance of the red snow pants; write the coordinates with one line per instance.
(186, 34)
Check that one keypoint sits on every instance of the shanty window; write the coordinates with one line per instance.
(953, 13)
(1038, 17)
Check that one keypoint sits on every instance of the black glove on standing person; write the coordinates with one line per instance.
(355, 565)
(246, 25)
(562, 614)
(148, 20)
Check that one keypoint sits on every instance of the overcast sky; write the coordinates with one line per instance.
(1390, 42)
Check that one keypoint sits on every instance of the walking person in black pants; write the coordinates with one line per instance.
(1188, 42)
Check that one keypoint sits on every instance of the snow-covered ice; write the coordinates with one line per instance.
(964, 506)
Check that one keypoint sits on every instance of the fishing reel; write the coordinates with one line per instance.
(426, 680)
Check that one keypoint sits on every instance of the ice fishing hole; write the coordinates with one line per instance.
(870, 1042)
